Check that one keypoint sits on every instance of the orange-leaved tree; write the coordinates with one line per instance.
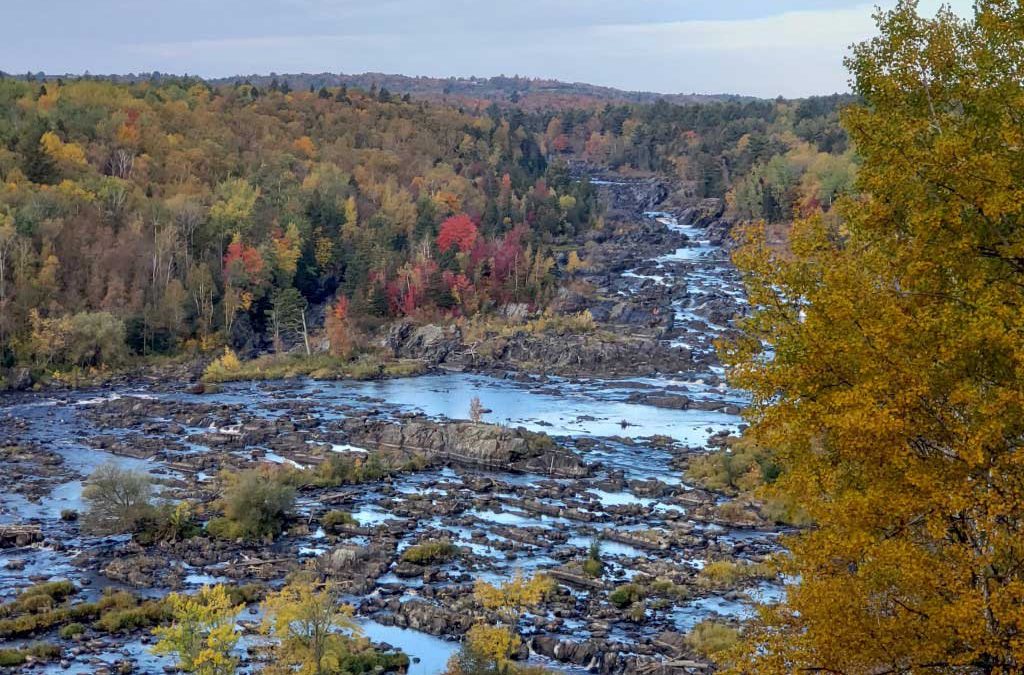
(885, 356)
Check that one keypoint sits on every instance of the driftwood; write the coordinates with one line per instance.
(575, 579)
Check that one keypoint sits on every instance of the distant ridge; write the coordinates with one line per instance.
(529, 92)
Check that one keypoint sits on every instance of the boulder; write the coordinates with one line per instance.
(431, 343)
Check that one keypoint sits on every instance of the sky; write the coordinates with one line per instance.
(752, 47)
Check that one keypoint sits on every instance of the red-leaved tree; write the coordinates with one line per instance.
(458, 231)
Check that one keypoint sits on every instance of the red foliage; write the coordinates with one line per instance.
(458, 284)
(340, 309)
(458, 231)
(407, 291)
(242, 258)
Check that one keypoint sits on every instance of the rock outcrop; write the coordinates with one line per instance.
(431, 343)
(581, 355)
(468, 444)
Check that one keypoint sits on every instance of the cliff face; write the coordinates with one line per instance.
(467, 443)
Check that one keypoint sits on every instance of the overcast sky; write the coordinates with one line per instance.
(754, 47)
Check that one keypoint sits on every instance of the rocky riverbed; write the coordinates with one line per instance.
(579, 445)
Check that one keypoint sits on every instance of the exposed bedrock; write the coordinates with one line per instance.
(468, 444)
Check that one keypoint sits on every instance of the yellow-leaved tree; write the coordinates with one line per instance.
(202, 633)
(885, 357)
(307, 620)
(490, 647)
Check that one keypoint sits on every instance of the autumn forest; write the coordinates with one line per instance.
(336, 373)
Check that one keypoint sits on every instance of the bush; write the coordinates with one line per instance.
(145, 615)
(335, 518)
(223, 368)
(256, 504)
(117, 500)
(731, 573)
(626, 594)
(71, 630)
(168, 522)
(58, 591)
(9, 658)
(593, 566)
(39, 651)
(430, 552)
(709, 638)
(340, 469)
(738, 468)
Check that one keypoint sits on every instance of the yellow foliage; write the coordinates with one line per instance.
(225, 364)
(495, 643)
(574, 264)
(514, 596)
(202, 634)
(306, 621)
(892, 395)
(68, 154)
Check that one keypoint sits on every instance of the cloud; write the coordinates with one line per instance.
(789, 47)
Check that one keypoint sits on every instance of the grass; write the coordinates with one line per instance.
(71, 630)
(41, 651)
(228, 368)
(732, 573)
(430, 552)
(710, 638)
(335, 518)
(114, 612)
(626, 594)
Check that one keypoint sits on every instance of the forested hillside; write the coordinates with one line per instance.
(774, 159)
(151, 217)
(185, 210)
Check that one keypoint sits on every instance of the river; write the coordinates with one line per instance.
(600, 418)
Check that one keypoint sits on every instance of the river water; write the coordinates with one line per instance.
(598, 410)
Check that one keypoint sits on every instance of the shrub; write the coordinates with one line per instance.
(593, 566)
(339, 469)
(202, 632)
(40, 651)
(730, 573)
(335, 518)
(430, 552)
(57, 591)
(709, 638)
(495, 644)
(223, 367)
(738, 468)
(308, 623)
(117, 500)
(145, 615)
(256, 504)
(71, 630)
(168, 522)
(625, 595)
